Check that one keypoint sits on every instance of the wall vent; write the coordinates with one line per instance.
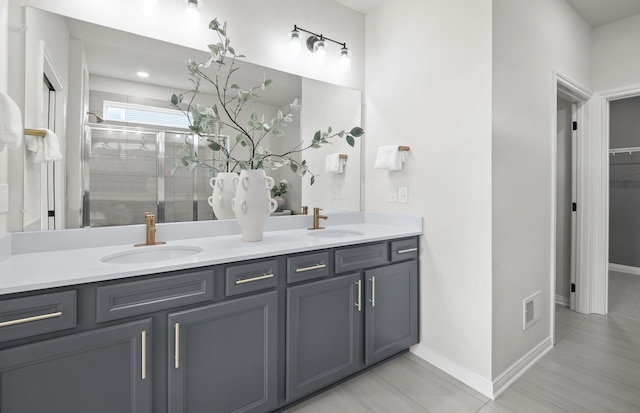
(531, 310)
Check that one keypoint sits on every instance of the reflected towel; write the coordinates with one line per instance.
(334, 163)
(11, 130)
(389, 157)
(48, 148)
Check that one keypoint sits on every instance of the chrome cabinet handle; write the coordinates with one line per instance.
(176, 354)
(373, 291)
(30, 319)
(407, 250)
(144, 354)
(258, 278)
(313, 267)
(359, 303)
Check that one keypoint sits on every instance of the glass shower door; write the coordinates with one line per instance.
(122, 175)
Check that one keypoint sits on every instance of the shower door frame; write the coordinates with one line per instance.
(160, 136)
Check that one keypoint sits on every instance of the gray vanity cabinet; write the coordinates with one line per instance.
(223, 357)
(324, 328)
(392, 310)
(100, 371)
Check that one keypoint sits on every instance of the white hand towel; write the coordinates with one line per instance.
(48, 148)
(389, 157)
(334, 163)
(11, 130)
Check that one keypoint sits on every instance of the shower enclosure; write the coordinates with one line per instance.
(127, 172)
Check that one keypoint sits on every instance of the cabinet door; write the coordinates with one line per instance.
(223, 357)
(324, 326)
(391, 310)
(101, 371)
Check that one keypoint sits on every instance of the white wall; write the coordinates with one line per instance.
(530, 39)
(258, 29)
(428, 85)
(616, 61)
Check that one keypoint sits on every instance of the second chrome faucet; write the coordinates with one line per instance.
(316, 218)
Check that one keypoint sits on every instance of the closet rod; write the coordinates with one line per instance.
(625, 150)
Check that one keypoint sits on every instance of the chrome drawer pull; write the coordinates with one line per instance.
(30, 319)
(258, 278)
(176, 354)
(373, 291)
(359, 303)
(313, 267)
(144, 354)
(407, 250)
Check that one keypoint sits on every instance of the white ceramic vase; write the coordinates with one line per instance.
(252, 204)
(280, 201)
(223, 192)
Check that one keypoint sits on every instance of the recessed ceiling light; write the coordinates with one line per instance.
(143, 74)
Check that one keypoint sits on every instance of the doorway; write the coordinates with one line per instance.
(624, 202)
(565, 202)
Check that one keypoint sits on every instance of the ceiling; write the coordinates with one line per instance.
(594, 12)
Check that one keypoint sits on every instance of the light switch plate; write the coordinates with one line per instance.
(4, 198)
(393, 195)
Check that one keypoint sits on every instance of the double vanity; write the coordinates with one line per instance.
(202, 323)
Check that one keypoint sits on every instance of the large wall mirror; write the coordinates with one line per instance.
(117, 168)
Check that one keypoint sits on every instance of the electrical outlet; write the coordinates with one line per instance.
(340, 192)
(403, 194)
(334, 192)
(393, 195)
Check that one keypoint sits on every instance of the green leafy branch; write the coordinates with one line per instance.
(206, 121)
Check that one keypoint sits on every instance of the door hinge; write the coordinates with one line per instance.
(52, 214)
(573, 287)
(574, 125)
(574, 207)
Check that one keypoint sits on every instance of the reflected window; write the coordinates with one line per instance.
(145, 115)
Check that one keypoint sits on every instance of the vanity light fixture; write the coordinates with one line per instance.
(143, 75)
(191, 14)
(317, 44)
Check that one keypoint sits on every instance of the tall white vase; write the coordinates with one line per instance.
(252, 204)
(223, 192)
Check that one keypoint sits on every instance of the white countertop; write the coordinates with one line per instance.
(32, 266)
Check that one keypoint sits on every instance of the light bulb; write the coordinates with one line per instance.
(294, 43)
(345, 60)
(191, 14)
(319, 51)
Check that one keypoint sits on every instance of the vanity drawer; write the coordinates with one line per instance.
(307, 267)
(133, 298)
(246, 278)
(405, 249)
(37, 314)
(356, 258)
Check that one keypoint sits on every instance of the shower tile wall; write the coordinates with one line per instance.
(123, 181)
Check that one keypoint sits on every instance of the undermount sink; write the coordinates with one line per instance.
(150, 254)
(333, 233)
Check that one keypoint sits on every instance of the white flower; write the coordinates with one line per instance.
(284, 182)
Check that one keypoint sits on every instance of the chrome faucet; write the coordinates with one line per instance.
(316, 218)
(150, 220)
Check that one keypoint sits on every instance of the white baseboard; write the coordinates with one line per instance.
(562, 300)
(466, 376)
(490, 389)
(504, 380)
(627, 269)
